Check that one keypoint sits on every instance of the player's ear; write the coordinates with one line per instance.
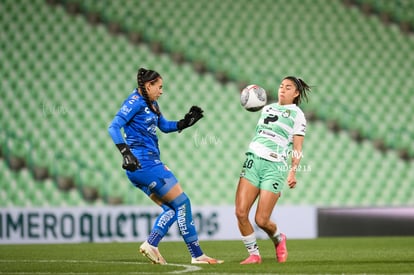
(296, 93)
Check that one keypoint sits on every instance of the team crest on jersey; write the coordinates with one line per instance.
(135, 97)
(286, 114)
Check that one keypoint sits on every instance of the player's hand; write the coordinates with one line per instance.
(194, 114)
(291, 179)
(130, 162)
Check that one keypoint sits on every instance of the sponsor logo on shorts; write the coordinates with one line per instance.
(152, 185)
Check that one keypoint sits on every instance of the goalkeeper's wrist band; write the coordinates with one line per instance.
(180, 125)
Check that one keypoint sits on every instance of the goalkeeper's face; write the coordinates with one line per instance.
(154, 89)
(287, 92)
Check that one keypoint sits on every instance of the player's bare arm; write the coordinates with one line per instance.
(296, 157)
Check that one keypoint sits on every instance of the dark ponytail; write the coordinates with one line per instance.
(144, 76)
(303, 88)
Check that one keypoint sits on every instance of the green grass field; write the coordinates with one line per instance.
(319, 256)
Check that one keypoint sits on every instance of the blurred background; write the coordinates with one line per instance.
(67, 66)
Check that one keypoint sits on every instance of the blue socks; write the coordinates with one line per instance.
(180, 212)
(161, 225)
(182, 207)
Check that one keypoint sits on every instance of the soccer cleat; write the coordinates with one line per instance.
(281, 250)
(252, 259)
(152, 253)
(204, 259)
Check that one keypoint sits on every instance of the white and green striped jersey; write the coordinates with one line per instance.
(275, 130)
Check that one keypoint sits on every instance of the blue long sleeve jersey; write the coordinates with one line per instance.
(139, 124)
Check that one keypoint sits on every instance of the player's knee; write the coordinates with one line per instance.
(261, 221)
(241, 214)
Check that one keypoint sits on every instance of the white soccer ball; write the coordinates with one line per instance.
(253, 98)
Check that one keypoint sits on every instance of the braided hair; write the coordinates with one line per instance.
(302, 87)
(143, 77)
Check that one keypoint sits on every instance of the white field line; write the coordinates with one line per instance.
(186, 268)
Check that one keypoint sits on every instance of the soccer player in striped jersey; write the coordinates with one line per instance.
(280, 132)
(140, 117)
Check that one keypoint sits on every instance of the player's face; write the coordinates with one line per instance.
(287, 92)
(154, 89)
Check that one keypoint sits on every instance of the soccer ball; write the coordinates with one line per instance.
(253, 98)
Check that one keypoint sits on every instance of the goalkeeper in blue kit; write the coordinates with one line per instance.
(139, 117)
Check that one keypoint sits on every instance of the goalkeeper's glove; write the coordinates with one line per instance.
(190, 118)
(130, 162)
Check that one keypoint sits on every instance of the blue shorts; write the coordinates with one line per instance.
(153, 177)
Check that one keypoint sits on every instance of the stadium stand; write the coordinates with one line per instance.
(339, 47)
(400, 12)
(19, 188)
(64, 79)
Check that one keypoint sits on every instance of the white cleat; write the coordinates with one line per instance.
(152, 253)
(204, 259)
